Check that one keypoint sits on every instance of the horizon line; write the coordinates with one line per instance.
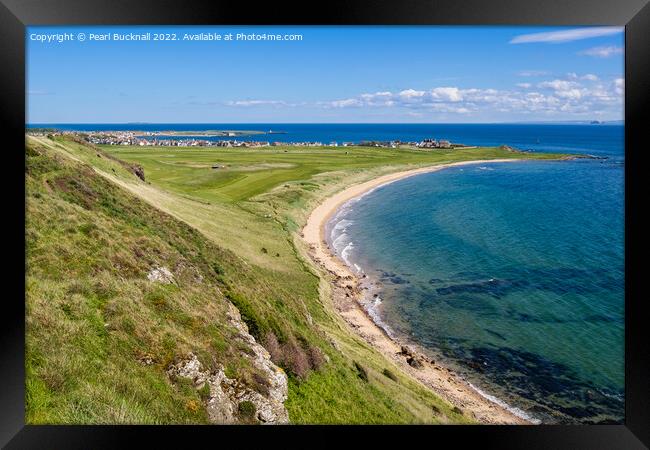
(328, 123)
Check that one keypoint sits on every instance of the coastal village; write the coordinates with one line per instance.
(137, 138)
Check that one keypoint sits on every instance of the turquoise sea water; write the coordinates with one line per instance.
(513, 273)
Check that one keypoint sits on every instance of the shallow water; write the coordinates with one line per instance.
(512, 272)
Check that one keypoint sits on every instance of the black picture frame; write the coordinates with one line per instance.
(16, 14)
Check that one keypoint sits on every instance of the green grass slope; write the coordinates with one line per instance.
(100, 335)
(94, 230)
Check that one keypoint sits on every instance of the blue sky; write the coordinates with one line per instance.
(333, 74)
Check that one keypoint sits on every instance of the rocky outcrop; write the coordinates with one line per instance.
(138, 171)
(226, 395)
(262, 360)
(161, 275)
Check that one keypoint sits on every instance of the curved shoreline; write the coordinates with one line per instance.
(347, 296)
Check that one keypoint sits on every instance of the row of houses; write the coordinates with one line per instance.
(151, 139)
(432, 143)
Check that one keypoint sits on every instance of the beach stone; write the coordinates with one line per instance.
(414, 362)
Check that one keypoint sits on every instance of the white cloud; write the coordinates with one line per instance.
(581, 87)
(406, 97)
(558, 85)
(449, 94)
(602, 52)
(532, 73)
(588, 76)
(574, 94)
(257, 103)
(569, 93)
(409, 94)
(619, 86)
(566, 35)
(346, 103)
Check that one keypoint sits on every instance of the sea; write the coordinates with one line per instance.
(512, 274)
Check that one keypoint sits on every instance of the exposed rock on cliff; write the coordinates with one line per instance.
(161, 275)
(226, 395)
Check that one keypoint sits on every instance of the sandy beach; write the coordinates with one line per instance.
(347, 295)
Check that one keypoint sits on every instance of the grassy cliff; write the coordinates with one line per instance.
(100, 335)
